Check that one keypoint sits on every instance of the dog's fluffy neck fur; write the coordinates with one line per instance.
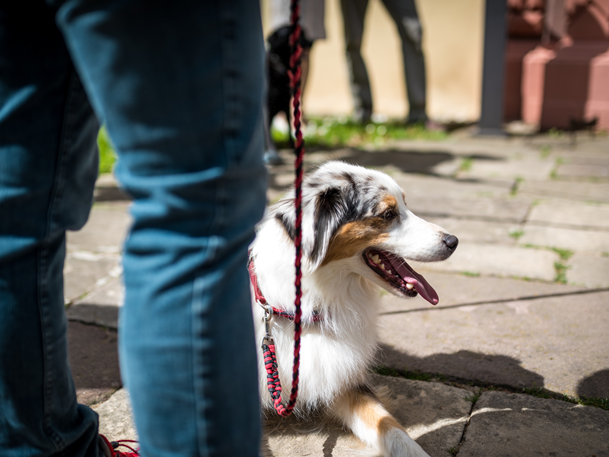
(347, 301)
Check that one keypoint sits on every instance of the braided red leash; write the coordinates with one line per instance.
(270, 361)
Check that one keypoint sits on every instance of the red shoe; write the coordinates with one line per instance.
(108, 448)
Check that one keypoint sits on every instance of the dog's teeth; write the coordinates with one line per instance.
(409, 286)
(375, 259)
(389, 271)
(382, 266)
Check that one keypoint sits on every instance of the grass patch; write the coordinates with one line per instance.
(453, 450)
(564, 254)
(604, 254)
(555, 133)
(342, 131)
(540, 392)
(516, 186)
(471, 274)
(413, 375)
(545, 151)
(107, 156)
(516, 234)
(534, 391)
(475, 397)
(561, 272)
(466, 164)
(386, 371)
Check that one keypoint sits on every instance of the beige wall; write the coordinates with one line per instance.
(452, 42)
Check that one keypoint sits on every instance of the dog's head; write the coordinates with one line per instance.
(357, 218)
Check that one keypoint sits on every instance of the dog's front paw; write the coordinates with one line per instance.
(397, 443)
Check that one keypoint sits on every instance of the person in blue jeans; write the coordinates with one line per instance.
(179, 86)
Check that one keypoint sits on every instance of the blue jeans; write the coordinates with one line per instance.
(179, 86)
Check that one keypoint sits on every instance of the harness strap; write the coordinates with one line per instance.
(259, 296)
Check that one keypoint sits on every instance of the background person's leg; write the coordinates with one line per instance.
(48, 166)
(354, 12)
(179, 85)
(404, 14)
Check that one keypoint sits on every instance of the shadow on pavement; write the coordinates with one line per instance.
(422, 162)
(110, 194)
(465, 366)
(596, 385)
(93, 356)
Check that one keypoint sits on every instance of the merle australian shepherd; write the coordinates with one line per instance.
(358, 235)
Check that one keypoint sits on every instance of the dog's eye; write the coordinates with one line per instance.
(389, 214)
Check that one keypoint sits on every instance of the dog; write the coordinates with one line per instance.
(357, 235)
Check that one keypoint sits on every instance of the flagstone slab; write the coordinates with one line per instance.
(85, 271)
(476, 231)
(513, 425)
(498, 260)
(493, 210)
(105, 230)
(556, 341)
(583, 191)
(520, 166)
(596, 241)
(116, 417)
(589, 270)
(571, 214)
(100, 307)
(582, 171)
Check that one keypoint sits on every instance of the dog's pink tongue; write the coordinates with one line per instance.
(420, 283)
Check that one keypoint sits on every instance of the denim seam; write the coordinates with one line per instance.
(54, 205)
(196, 315)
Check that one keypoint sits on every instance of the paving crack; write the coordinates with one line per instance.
(501, 300)
(454, 451)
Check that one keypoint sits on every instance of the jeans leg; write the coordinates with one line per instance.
(354, 12)
(48, 165)
(179, 85)
(404, 14)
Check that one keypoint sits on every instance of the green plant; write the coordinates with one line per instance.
(555, 133)
(516, 186)
(516, 234)
(453, 450)
(561, 272)
(385, 371)
(564, 254)
(343, 131)
(466, 164)
(545, 151)
(474, 397)
(107, 156)
(470, 274)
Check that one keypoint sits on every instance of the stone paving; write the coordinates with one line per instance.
(524, 301)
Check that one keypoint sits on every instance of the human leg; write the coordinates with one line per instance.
(48, 165)
(354, 12)
(180, 90)
(404, 13)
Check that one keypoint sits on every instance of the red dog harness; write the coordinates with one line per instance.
(316, 317)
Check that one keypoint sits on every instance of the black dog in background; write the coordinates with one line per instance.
(278, 91)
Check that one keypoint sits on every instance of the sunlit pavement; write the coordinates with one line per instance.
(523, 312)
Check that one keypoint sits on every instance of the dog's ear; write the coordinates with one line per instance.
(321, 218)
(329, 214)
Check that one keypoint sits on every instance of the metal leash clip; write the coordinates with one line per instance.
(268, 315)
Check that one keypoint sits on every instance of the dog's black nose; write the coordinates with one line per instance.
(451, 241)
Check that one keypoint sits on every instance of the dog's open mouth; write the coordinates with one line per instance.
(394, 270)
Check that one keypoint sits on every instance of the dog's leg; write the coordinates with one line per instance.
(364, 414)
